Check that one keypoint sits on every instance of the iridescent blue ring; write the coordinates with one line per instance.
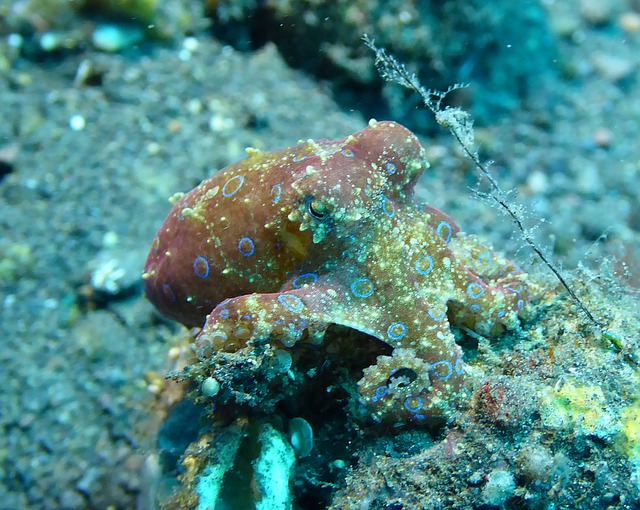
(442, 362)
(475, 290)
(359, 281)
(381, 391)
(397, 336)
(410, 408)
(447, 225)
(387, 207)
(251, 243)
(199, 260)
(291, 302)
(299, 281)
(418, 265)
(278, 189)
(436, 318)
(226, 193)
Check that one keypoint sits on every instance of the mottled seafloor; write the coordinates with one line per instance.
(92, 143)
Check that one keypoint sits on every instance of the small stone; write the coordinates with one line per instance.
(71, 500)
(113, 37)
(50, 41)
(110, 239)
(301, 436)
(538, 182)
(77, 123)
(611, 67)
(210, 387)
(603, 137)
(630, 22)
(596, 12)
(499, 487)
(476, 479)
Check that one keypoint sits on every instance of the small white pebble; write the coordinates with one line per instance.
(110, 239)
(210, 387)
(50, 303)
(301, 436)
(538, 182)
(15, 40)
(77, 122)
(194, 106)
(173, 353)
(49, 41)
(153, 148)
(190, 44)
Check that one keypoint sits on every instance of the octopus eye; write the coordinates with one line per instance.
(318, 209)
(402, 377)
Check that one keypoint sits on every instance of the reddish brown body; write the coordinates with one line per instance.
(282, 244)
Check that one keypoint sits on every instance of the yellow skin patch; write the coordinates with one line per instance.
(283, 244)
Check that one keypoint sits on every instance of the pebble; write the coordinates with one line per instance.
(630, 22)
(538, 182)
(596, 12)
(71, 500)
(113, 38)
(77, 122)
(611, 67)
(603, 137)
(210, 387)
(301, 436)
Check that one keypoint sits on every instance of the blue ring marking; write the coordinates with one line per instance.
(475, 308)
(368, 191)
(347, 153)
(485, 257)
(459, 366)
(391, 168)
(290, 302)
(297, 159)
(201, 274)
(442, 362)
(251, 243)
(359, 281)
(297, 283)
(381, 391)
(418, 265)
(168, 292)
(232, 192)
(501, 313)
(397, 336)
(278, 189)
(415, 408)
(447, 225)
(420, 417)
(520, 304)
(387, 207)
(436, 318)
(515, 287)
(475, 290)
(224, 313)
